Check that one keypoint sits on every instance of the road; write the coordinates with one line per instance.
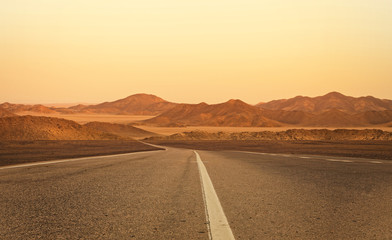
(166, 195)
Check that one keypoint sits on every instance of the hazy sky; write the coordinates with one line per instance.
(192, 51)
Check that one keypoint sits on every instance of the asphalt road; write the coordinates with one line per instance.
(159, 195)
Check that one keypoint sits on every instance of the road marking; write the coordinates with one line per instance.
(153, 145)
(305, 157)
(338, 160)
(69, 160)
(217, 224)
(375, 162)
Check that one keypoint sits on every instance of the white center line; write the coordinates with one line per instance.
(218, 225)
(70, 160)
(375, 162)
(338, 160)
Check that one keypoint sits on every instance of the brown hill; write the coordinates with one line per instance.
(6, 113)
(289, 117)
(333, 100)
(47, 128)
(232, 113)
(138, 104)
(126, 131)
(292, 134)
(334, 118)
(330, 118)
(375, 117)
(16, 108)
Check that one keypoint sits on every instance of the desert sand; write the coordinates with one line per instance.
(82, 118)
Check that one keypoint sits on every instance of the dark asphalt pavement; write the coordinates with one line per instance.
(157, 195)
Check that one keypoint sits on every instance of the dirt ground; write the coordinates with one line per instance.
(85, 118)
(209, 129)
(360, 149)
(15, 152)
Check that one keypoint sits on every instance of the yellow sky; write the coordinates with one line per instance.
(193, 51)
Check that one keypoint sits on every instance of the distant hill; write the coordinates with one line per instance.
(47, 128)
(331, 110)
(126, 131)
(334, 118)
(330, 101)
(17, 108)
(330, 118)
(375, 117)
(231, 113)
(138, 104)
(288, 117)
(6, 113)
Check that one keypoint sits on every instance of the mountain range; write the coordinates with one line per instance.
(331, 110)
(234, 113)
(330, 101)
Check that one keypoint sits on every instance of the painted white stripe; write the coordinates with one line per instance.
(375, 162)
(69, 160)
(338, 160)
(153, 145)
(304, 157)
(218, 225)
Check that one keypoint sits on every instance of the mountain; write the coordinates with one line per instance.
(334, 118)
(138, 104)
(375, 117)
(231, 113)
(6, 113)
(17, 108)
(47, 128)
(330, 101)
(126, 131)
(330, 118)
(288, 117)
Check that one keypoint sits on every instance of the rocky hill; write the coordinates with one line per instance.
(138, 104)
(231, 113)
(47, 128)
(17, 108)
(330, 101)
(6, 113)
(293, 134)
(126, 131)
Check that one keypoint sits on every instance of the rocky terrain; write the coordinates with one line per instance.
(331, 110)
(138, 104)
(330, 101)
(46, 128)
(231, 113)
(289, 135)
(6, 113)
(122, 130)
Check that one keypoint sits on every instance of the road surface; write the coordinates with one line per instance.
(166, 195)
